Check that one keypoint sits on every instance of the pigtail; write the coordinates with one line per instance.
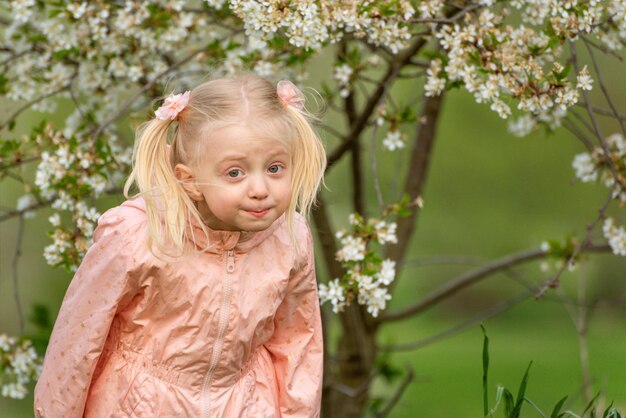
(309, 164)
(166, 201)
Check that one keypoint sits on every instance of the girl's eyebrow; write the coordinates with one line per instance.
(240, 157)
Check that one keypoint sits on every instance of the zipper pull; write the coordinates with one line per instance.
(230, 261)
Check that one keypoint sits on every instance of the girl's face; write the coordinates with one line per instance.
(243, 183)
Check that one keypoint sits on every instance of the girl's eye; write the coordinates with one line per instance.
(234, 173)
(275, 169)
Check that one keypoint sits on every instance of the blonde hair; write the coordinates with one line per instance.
(212, 105)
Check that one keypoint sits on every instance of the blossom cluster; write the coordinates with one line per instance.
(310, 24)
(500, 64)
(68, 173)
(19, 366)
(593, 166)
(367, 275)
(563, 254)
(616, 235)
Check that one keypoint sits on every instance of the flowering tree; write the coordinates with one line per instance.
(98, 66)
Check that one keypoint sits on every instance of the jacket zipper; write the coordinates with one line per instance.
(219, 342)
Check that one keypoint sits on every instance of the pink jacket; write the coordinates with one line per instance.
(232, 332)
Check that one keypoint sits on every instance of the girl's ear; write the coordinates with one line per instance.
(188, 181)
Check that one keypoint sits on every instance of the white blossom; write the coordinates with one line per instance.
(20, 365)
(393, 140)
(616, 235)
(585, 167)
(24, 203)
(386, 232)
(353, 249)
(584, 79)
(333, 293)
(387, 272)
(522, 126)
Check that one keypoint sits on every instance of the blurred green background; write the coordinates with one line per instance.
(489, 194)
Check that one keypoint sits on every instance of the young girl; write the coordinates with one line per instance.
(199, 299)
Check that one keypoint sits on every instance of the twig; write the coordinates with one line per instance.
(396, 396)
(596, 127)
(20, 212)
(602, 48)
(41, 204)
(582, 120)
(444, 260)
(15, 164)
(376, 179)
(76, 104)
(330, 130)
(570, 126)
(554, 282)
(353, 392)
(16, 256)
(605, 92)
(482, 316)
(36, 100)
(605, 112)
(16, 56)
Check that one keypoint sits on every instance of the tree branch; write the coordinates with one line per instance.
(361, 122)
(586, 243)
(410, 375)
(20, 162)
(349, 110)
(455, 285)
(32, 102)
(16, 256)
(481, 317)
(416, 176)
(326, 236)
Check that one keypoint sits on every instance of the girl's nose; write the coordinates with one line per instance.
(258, 188)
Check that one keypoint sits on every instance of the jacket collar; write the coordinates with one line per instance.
(220, 241)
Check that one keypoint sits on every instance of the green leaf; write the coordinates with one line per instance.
(531, 403)
(591, 403)
(40, 316)
(3, 84)
(509, 403)
(557, 408)
(521, 392)
(485, 370)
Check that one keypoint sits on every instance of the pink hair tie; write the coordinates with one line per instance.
(289, 94)
(172, 106)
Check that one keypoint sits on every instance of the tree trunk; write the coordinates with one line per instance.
(355, 356)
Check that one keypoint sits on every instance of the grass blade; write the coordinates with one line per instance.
(509, 403)
(539, 411)
(520, 393)
(557, 408)
(485, 371)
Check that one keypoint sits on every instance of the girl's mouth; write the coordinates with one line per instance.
(258, 213)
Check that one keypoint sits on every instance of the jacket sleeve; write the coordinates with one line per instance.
(101, 285)
(296, 347)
